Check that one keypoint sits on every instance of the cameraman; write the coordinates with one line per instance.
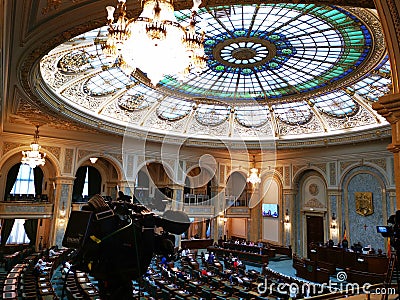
(119, 242)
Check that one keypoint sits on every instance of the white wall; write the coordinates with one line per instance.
(270, 230)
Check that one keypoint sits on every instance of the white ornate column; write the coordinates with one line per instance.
(291, 227)
(177, 204)
(62, 206)
(389, 105)
(217, 220)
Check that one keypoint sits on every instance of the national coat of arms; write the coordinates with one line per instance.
(364, 205)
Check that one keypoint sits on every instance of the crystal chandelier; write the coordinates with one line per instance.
(33, 157)
(155, 42)
(253, 177)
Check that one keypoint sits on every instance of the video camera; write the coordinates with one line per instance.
(117, 240)
(392, 231)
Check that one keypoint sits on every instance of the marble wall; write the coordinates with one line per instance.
(363, 228)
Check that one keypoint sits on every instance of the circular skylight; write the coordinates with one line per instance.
(274, 71)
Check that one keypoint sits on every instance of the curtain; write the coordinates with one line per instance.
(30, 226)
(78, 184)
(6, 230)
(11, 178)
(94, 184)
(38, 180)
(208, 229)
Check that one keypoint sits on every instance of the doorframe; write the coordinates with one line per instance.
(315, 213)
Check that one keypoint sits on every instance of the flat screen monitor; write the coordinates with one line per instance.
(270, 210)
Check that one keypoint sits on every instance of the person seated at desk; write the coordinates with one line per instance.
(345, 244)
(234, 278)
(210, 258)
(357, 247)
(184, 253)
(39, 268)
(264, 270)
(53, 252)
(66, 268)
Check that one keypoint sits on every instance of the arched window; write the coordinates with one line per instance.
(87, 183)
(18, 234)
(23, 182)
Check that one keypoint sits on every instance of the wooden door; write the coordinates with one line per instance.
(315, 231)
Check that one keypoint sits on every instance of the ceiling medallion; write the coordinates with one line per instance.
(254, 52)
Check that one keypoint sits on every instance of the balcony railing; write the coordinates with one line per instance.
(26, 209)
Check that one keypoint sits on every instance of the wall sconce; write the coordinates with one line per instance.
(286, 220)
(333, 222)
(63, 211)
(287, 216)
(93, 159)
(222, 218)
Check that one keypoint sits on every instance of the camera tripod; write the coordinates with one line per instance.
(393, 269)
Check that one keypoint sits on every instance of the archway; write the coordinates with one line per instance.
(153, 186)
(238, 191)
(87, 184)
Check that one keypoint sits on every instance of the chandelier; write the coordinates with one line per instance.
(33, 157)
(253, 176)
(155, 42)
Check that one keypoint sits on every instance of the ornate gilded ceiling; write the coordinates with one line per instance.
(274, 72)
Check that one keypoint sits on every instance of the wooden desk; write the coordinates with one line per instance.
(91, 292)
(83, 279)
(10, 288)
(10, 295)
(245, 256)
(10, 281)
(46, 291)
(87, 286)
(342, 258)
(182, 294)
(197, 243)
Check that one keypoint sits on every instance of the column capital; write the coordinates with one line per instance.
(289, 191)
(388, 107)
(176, 186)
(334, 192)
(218, 188)
(64, 179)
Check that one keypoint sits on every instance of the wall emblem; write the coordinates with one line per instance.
(313, 189)
(364, 204)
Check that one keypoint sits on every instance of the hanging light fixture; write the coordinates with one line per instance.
(155, 42)
(93, 160)
(33, 157)
(253, 176)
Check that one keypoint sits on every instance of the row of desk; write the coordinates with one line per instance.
(10, 288)
(342, 258)
(246, 256)
(270, 252)
(214, 287)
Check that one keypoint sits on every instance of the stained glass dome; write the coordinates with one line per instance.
(274, 71)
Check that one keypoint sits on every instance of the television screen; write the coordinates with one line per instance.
(270, 210)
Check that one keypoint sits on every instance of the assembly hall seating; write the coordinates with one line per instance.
(359, 267)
